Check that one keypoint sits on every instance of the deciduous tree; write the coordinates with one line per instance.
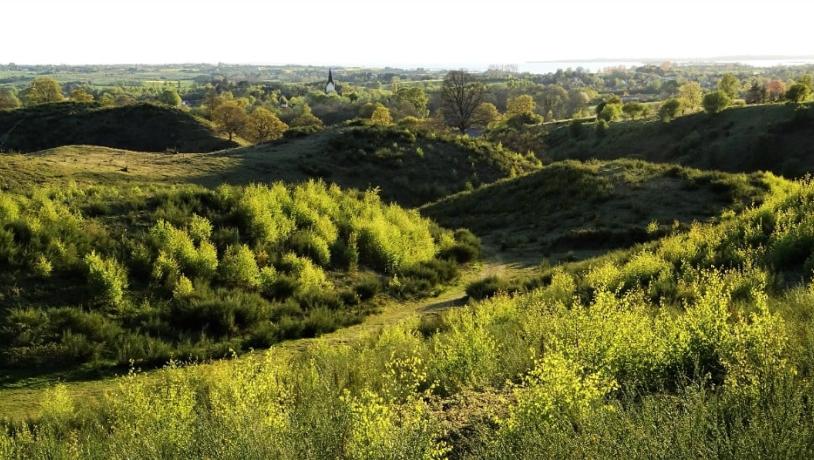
(230, 118)
(730, 85)
(169, 97)
(485, 114)
(8, 100)
(381, 116)
(691, 95)
(716, 102)
(521, 105)
(42, 91)
(669, 110)
(81, 95)
(461, 94)
(264, 125)
(799, 92)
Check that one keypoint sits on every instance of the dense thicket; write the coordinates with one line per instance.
(105, 275)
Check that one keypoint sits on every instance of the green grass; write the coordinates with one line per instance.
(575, 210)
(408, 168)
(774, 137)
(141, 127)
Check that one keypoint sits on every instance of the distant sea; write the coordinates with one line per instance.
(599, 65)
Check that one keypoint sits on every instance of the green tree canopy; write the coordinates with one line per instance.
(691, 95)
(381, 116)
(716, 102)
(169, 97)
(263, 125)
(8, 99)
(43, 90)
(81, 95)
(521, 105)
(670, 109)
(730, 85)
(799, 92)
(230, 118)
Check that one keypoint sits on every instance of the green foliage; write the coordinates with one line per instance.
(799, 92)
(716, 102)
(107, 279)
(669, 110)
(189, 271)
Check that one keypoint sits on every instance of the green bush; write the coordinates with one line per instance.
(107, 279)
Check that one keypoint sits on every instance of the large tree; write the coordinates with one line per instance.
(230, 118)
(264, 125)
(42, 91)
(461, 94)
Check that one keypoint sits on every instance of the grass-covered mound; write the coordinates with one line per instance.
(576, 209)
(773, 138)
(142, 127)
(695, 345)
(102, 275)
(409, 168)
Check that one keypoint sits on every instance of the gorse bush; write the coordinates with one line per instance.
(195, 272)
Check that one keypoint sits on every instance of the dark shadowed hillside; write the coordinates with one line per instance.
(774, 138)
(576, 209)
(143, 127)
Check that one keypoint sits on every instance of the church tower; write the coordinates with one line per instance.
(330, 87)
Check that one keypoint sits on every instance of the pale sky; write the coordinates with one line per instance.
(406, 33)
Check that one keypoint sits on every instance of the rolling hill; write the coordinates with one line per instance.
(408, 168)
(774, 138)
(143, 127)
(574, 210)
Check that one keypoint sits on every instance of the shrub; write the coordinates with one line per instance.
(107, 279)
(239, 267)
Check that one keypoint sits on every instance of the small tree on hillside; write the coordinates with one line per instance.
(521, 105)
(169, 97)
(669, 110)
(81, 95)
(716, 102)
(485, 114)
(691, 95)
(8, 100)
(730, 86)
(611, 111)
(306, 118)
(381, 116)
(43, 90)
(799, 92)
(263, 125)
(230, 118)
(461, 94)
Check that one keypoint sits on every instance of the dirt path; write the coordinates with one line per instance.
(23, 402)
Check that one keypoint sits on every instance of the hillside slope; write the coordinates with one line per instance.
(575, 209)
(408, 168)
(774, 138)
(142, 127)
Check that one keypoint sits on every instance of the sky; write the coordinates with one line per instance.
(407, 33)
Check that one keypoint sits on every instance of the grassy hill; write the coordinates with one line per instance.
(576, 209)
(408, 168)
(698, 344)
(774, 138)
(142, 127)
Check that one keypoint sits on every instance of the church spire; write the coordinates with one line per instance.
(330, 75)
(330, 87)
